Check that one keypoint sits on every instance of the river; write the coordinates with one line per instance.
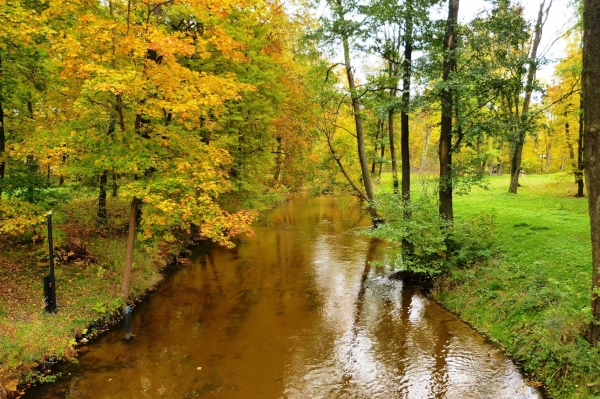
(298, 311)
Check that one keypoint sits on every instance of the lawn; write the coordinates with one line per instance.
(533, 296)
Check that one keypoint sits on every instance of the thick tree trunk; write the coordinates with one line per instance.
(518, 150)
(406, 76)
(591, 124)
(102, 219)
(445, 148)
(130, 246)
(579, 175)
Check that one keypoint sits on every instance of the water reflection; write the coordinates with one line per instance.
(298, 311)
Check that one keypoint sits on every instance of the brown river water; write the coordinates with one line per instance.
(297, 311)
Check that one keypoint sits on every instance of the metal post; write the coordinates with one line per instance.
(49, 281)
(127, 322)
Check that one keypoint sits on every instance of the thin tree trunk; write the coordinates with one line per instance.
(2, 140)
(377, 135)
(391, 138)
(381, 154)
(579, 174)
(571, 151)
(278, 162)
(130, 246)
(2, 135)
(358, 122)
(427, 131)
(406, 76)
(102, 219)
(518, 151)
(548, 155)
(591, 124)
(445, 147)
(360, 193)
(115, 187)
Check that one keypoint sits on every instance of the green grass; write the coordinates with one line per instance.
(533, 297)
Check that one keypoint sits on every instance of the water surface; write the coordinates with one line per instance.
(298, 311)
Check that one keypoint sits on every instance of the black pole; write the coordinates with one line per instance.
(49, 281)
(127, 322)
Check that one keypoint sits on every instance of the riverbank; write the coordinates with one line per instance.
(89, 265)
(532, 298)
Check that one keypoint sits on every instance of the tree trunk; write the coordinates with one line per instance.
(130, 246)
(391, 138)
(278, 162)
(360, 193)
(358, 122)
(445, 148)
(579, 174)
(392, 133)
(591, 124)
(102, 219)
(2, 136)
(518, 150)
(406, 75)
(548, 156)
(377, 136)
(2, 140)
(427, 131)
(571, 151)
(381, 154)
(115, 187)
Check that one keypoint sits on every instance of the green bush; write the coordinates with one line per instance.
(425, 242)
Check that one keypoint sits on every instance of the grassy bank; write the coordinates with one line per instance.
(89, 267)
(532, 298)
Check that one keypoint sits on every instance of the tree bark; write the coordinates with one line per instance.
(591, 137)
(445, 147)
(406, 76)
(579, 175)
(518, 151)
(130, 246)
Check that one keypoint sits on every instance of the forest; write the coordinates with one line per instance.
(144, 127)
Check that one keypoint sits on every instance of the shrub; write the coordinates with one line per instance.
(425, 242)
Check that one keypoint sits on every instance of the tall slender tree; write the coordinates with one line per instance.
(447, 101)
